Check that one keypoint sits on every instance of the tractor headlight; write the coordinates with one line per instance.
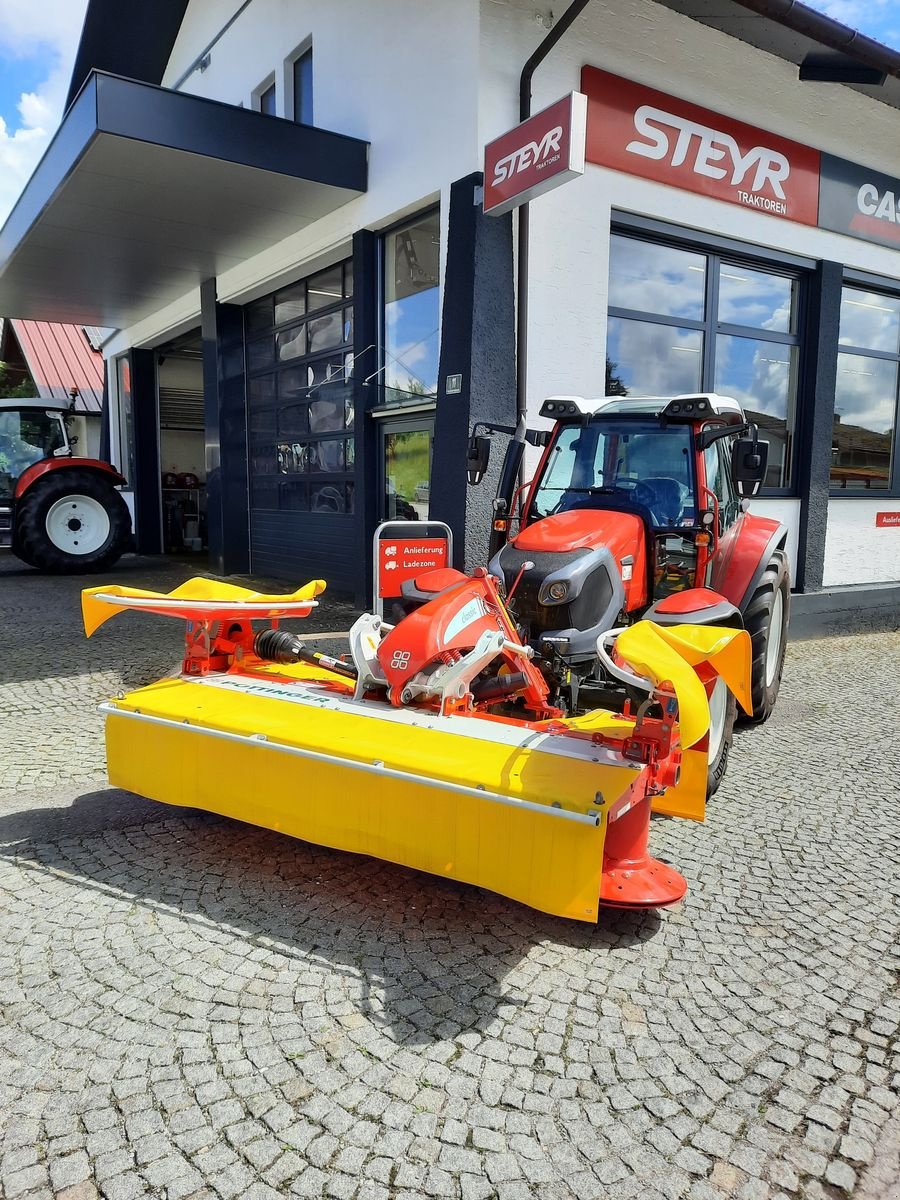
(556, 592)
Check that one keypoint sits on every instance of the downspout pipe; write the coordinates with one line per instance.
(555, 34)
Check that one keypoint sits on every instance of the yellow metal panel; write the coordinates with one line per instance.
(542, 860)
(95, 612)
(688, 798)
(668, 654)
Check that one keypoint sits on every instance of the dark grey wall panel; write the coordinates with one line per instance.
(478, 341)
(300, 546)
(817, 421)
(225, 419)
(146, 482)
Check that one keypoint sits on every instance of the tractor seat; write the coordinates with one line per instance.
(663, 496)
(426, 586)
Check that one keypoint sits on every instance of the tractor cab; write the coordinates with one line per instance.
(651, 459)
(630, 507)
(30, 430)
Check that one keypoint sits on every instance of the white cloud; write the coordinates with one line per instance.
(48, 31)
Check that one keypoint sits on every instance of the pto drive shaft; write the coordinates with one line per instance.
(277, 645)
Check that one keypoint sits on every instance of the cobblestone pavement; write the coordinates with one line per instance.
(192, 1007)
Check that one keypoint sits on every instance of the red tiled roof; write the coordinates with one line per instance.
(60, 357)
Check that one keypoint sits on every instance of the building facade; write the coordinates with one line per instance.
(311, 309)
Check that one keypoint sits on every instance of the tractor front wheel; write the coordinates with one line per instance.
(722, 716)
(766, 620)
(71, 522)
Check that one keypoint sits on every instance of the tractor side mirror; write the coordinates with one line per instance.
(749, 459)
(477, 458)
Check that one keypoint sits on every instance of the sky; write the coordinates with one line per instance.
(38, 40)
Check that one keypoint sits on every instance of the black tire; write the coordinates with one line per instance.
(35, 546)
(717, 767)
(765, 677)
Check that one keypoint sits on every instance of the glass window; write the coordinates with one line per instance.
(683, 321)
(329, 498)
(303, 88)
(762, 376)
(290, 304)
(646, 277)
(412, 310)
(26, 436)
(407, 473)
(870, 321)
(756, 298)
(326, 333)
(300, 408)
(655, 360)
(640, 460)
(267, 101)
(325, 289)
(291, 343)
(865, 410)
(718, 480)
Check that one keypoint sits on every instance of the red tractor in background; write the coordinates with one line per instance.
(637, 509)
(58, 513)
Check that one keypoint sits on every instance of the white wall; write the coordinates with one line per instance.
(570, 226)
(856, 550)
(428, 84)
(397, 74)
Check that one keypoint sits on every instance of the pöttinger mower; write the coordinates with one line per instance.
(435, 745)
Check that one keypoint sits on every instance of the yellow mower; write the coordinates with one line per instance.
(432, 744)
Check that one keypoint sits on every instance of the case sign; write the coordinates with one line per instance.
(539, 154)
(860, 202)
(400, 559)
(641, 131)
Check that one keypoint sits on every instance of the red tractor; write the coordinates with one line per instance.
(58, 513)
(637, 509)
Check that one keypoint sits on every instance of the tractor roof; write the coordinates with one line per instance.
(13, 402)
(688, 407)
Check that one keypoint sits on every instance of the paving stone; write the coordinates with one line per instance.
(259, 1016)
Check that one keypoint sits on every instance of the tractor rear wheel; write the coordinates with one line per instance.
(722, 716)
(766, 620)
(71, 522)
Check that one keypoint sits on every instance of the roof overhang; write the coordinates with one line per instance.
(821, 48)
(146, 192)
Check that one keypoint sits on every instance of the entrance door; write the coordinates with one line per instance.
(406, 468)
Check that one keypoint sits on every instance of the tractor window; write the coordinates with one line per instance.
(27, 436)
(718, 480)
(643, 462)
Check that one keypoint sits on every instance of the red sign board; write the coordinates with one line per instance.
(887, 520)
(540, 154)
(644, 132)
(400, 559)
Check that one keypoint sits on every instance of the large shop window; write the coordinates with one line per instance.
(300, 396)
(865, 402)
(686, 321)
(412, 316)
